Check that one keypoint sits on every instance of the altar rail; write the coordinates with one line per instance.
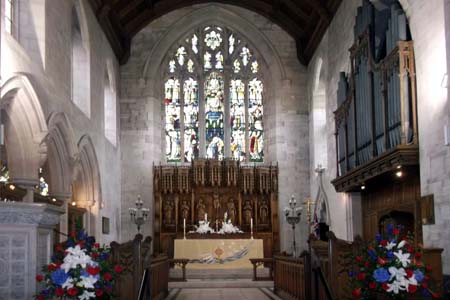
(292, 281)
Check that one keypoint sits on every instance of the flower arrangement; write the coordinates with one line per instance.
(80, 270)
(390, 266)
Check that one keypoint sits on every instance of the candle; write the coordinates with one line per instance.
(206, 217)
(184, 223)
(251, 224)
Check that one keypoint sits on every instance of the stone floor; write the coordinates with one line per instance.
(222, 294)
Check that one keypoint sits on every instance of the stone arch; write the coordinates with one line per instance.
(87, 184)
(25, 130)
(62, 154)
(219, 15)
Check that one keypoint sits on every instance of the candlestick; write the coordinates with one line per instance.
(184, 228)
(251, 227)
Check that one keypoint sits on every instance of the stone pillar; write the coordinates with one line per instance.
(26, 244)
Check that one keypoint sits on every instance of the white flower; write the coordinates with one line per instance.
(398, 274)
(395, 287)
(401, 244)
(87, 295)
(68, 284)
(88, 282)
(413, 280)
(403, 258)
(390, 245)
(75, 256)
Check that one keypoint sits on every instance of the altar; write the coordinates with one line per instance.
(218, 253)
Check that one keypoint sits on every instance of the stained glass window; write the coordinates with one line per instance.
(191, 140)
(255, 122)
(214, 112)
(172, 126)
(237, 121)
(214, 98)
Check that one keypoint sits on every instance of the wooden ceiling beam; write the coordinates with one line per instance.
(320, 8)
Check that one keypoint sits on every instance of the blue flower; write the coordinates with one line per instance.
(418, 275)
(390, 228)
(84, 273)
(104, 256)
(350, 273)
(381, 275)
(425, 292)
(59, 277)
(390, 254)
(378, 237)
(46, 292)
(372, 254)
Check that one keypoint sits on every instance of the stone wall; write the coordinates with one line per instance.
(42, 53)
(141, 105)
(427, 24)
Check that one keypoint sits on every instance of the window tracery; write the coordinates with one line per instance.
(213, 98)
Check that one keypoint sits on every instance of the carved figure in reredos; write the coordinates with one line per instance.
(168, 212)
(247, 212)
(264, 212)
(231, 208)
(216, 206)
(201, 209)
(185, 210)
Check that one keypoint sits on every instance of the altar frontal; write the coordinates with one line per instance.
(219, 253)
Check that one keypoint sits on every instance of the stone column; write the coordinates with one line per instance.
(26, 244)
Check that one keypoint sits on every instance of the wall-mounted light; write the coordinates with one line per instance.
(399, 174)
(399, 166)
(363, 187)
(74, 203)
(12, 187)
(54, 199)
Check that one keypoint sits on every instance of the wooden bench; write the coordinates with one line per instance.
(265, 262)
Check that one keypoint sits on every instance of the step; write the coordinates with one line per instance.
(219, 273)
(220, 283)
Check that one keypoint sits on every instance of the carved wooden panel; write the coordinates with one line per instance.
(212, 188)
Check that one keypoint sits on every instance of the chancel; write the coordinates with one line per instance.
(207, 149)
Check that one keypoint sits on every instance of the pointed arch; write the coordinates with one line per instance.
(62, 154)
(25, 129)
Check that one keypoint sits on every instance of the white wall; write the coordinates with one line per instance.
(43, 53)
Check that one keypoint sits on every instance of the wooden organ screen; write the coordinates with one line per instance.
(215, 187)
(377, 100)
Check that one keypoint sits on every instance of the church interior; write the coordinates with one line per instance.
(252, 149)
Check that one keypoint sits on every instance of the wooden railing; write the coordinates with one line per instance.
(292, 280)
(262, 262)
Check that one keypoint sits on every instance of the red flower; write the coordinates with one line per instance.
(167, 100)
(107, 276)
(40, 297)
(93, 270)
(381, 261)
(385, 286)
(436, 295)
(359, 258)
(409, 273)
(429, 268)
(72, 291)
(424, 285)
(72, 233)
(97, 245)
(59, 292)
(51, 267)
(81, 244)
(410, 249)
(39, 278)
(366, 264)
(118, 269)
(396, 231)
(94, 255)
(361, 276)
(384, 243)
(98, 293)
(108, 289)
(372, 285)
(418, 254)
(370, 247)
(412, 289)
(356, 292)
(59, 248)
(58, 265)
